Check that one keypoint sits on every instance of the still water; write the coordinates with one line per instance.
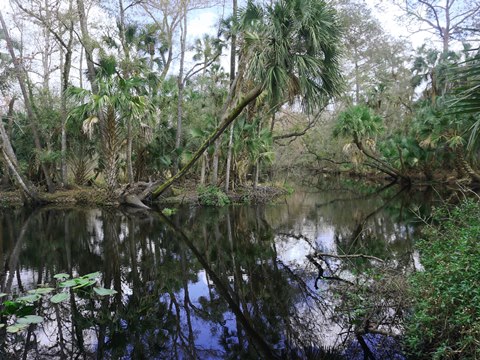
(240, 282)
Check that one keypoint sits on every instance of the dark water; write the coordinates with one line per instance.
(206, 283)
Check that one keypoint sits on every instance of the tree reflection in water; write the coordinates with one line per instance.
(235, 282)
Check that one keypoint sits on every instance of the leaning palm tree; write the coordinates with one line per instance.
(361, 124)
(117, 100)
(288, 51)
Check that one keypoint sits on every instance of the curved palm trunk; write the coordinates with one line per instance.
(383, 166)
(463, 164)
(227, 119)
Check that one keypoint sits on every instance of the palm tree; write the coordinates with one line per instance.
(288, 52)
(117, 100)
(360, 124)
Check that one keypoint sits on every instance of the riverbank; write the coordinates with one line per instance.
(95, 196)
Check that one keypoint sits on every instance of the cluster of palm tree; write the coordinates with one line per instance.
(442, 132)
(285, 52)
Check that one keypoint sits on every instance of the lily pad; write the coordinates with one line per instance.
(59, 298)
(2, 295)
(29, 298)
(61, 276)
(84, 282)
(104, 292)
(68, 283)
(41, 291)
(16, 328)
(30, 319)
(92, 276)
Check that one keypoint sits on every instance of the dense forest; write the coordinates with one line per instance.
(111, 102)
(111, 93)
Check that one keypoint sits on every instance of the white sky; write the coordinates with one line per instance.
(206, 21)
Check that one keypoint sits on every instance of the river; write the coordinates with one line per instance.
(239, 282)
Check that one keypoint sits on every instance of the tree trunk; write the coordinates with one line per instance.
(87, 45)
(204, 168)
(8, 132)
(129, 151)
(126, 52)
(111, 147)
(227, 119)
(462, 163)
(11, 159)
(232, 79)
(216, 155)
(67, 65)
(383, 166)
(180, 83)
(257, 174)
(229, 159)
(20, 73)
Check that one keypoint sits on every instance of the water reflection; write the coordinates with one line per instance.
(238, 282)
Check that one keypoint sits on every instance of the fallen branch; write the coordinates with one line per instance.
(353, 256)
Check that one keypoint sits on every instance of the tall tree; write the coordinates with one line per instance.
(233, 68)
(289, 49)
(58, 21)
(22, 78)
(446, 19)
(117, 99)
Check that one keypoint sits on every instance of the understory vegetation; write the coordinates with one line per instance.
(445, 322)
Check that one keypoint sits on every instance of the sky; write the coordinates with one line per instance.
(206, 21)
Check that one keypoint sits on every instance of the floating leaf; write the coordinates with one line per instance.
(59, 298)
(61, 276)
(2, 295)
(29, 298)
(68, 283)
(16, 328)
(84, 282)
(30, 319)
(41, 291)
(2, 326)
(91, 276)
(104, 292)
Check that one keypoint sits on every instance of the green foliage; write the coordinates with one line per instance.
(445, 323)
(212, 196)
(168, 211)
(18, 310)
(294, 49)
(358, 122)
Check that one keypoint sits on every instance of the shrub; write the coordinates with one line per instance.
(445, 323)
(212, 196)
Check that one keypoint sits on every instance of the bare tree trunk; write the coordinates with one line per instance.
(66, 67)
(21, 77)
(232, 79)
(10, 158)
(204, 168)
(8, 132)
(216, 155)
(126, 51)
(257, 174)
(87, 46)
(180, 82)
